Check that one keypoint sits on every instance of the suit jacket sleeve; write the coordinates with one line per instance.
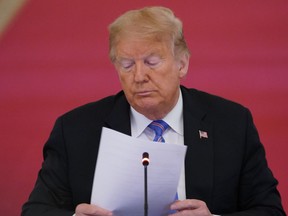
(257, 193)
(51, 194)
(228, 170)
(66, 177)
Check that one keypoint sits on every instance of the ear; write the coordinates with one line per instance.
(183, 65)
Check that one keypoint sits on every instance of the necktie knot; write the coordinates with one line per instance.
(158, 126)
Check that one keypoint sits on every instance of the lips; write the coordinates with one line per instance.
(144, 93)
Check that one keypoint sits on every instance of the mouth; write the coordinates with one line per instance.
(144, 93)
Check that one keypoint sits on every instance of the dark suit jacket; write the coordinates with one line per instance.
(228, 170)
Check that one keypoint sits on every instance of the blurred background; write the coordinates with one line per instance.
(54, 57)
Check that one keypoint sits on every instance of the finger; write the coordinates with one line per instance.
(87, 209)
(188, 204)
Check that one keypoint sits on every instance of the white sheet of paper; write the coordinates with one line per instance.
(119, 176)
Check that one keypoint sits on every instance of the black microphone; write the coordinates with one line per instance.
(145, 162)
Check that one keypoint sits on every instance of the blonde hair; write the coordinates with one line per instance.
(157, 22)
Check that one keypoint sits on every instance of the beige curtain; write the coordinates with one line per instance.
(8, 10)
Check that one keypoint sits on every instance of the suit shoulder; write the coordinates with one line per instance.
(97, 109)
(216, 103)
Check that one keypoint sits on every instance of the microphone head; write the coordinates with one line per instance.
(145, 159)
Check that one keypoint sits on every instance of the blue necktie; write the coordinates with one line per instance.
(158, 126)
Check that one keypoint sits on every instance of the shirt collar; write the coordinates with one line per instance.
(174, 118)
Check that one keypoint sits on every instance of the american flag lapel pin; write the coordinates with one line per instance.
(203, 134)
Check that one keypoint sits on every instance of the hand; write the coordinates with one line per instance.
(91, 210)
(190, 207)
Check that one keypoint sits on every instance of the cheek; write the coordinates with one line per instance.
(170, 84)
(122, 77)
(125, 81)
(171, 78)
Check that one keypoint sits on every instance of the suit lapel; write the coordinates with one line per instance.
(199, 157)
(119, 118)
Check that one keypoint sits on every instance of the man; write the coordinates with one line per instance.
(225, 169)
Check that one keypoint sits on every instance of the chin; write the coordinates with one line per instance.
(147, 104)
(148, 109)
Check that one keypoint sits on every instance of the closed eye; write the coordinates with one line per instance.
(126, 64)
(152, 61)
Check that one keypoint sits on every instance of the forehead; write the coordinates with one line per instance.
(137, 47)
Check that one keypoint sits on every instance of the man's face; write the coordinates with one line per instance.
(150, 75)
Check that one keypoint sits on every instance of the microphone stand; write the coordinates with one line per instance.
(145, 192)
(145, 162)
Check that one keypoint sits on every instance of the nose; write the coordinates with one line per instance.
(140, 73)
